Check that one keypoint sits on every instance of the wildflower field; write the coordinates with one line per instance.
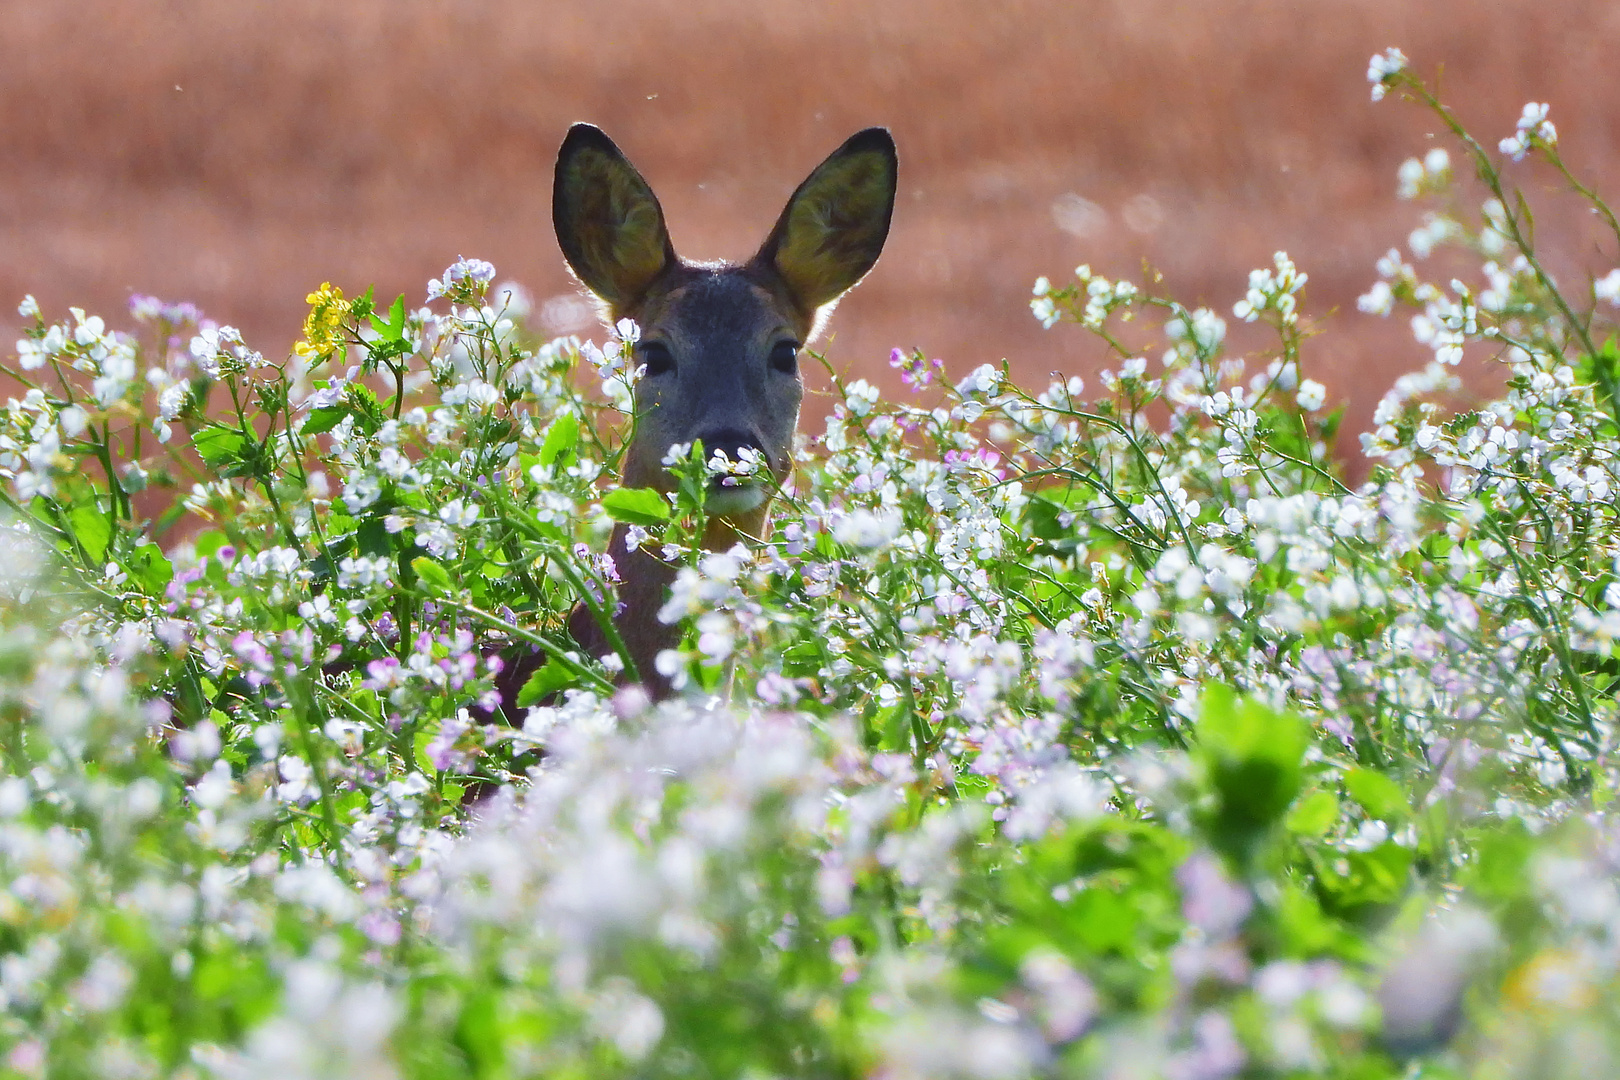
(1097, 732)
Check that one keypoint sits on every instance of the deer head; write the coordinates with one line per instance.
(720, 341)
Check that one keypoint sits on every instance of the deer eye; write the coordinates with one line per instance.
(785, 357)
(657, 357)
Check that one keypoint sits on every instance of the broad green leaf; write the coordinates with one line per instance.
(218, 446)
(561, 438)
(1380, 796)
(373, 538)
(393, 328)
(324, 419)
(1042, 515)
(1500, 870)
(805, 659)
(431, 574)
(480, 1034)
(148, 566)
(91, 529)
(551, 678)
(209, 542)
(1252, 757)
(1314, 815)
(637, 506)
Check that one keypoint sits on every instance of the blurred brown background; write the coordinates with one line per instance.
(237, 154)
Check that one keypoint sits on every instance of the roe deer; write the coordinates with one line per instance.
(720, 341)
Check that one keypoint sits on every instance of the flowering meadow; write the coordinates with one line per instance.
(1078, 731)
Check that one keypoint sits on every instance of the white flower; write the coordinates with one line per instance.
(1607, 288)
(864, 529)
(861, 396)
(749, 462)
(215, 787)
(1383, 67)
(982, 380)
(459, 514)
(31, 354)
(1206, 330)
(172, 400)
(475, 270)
(1533, 126)
(361, 491)
(90, 331)
(1533, 118)
(29, 308)
(318, 609)
(1045, 310)
(1311, 395)
(1378, 300)
(1409, 178)
(1515, 146)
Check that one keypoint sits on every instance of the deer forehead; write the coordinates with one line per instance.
(717, 307)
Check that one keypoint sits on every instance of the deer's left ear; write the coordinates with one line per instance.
(833, 228)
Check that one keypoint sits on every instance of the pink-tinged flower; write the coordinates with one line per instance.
(255, 658)
(1210, 900)
(383, 674)
(381, 927)
(448, 750)
(982, 458)
(465, 278)
(916, 370)
(1215, 1054)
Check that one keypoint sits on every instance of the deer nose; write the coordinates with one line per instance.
(732, 441)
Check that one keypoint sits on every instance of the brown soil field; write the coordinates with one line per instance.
(237, 154)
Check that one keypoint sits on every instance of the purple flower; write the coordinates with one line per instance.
(1210, 900)
(916, 371)
(382, 674)
(444, 750)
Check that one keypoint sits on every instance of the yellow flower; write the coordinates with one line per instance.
(1554, 979)
(323, 327)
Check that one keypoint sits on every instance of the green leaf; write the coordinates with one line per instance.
(1502, 863)
(148, 567)
(551, 678)
(324, 419)
(480, 1035)
(209, 542)
(1376, 877)
(218, 446)
(637, 506)
(561, 438)
(91, 529)
(1380, 796)
(391, 328)
(803, 659)
(431, 574)
(1314, 815)
(365, 303)
(368, 411)
(1252, 757)
(1042, 515)
(372, 538)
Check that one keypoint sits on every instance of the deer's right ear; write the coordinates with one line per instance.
(608, 221)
